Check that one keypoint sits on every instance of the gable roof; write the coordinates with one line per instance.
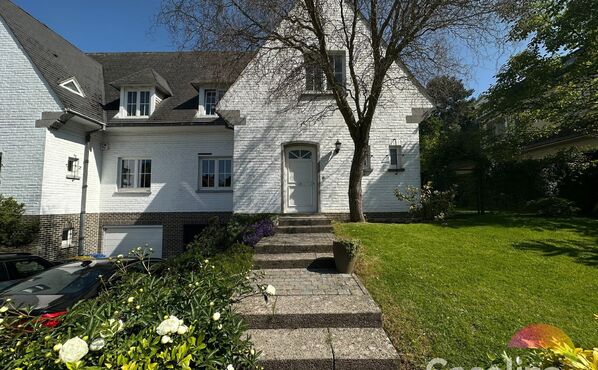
(57, 60)
(145, 77)
(179, 70)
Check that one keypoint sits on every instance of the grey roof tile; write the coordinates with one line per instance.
(57, 60)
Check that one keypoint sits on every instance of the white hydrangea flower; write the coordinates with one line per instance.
(182, 329)
(212, 304)
(216, 316)
(3, 309)
(57, 347)
(97, 344)
(73, 350)
(169, 326)
(270, 290)
(166, 339)
(131, 299)
(230, 367)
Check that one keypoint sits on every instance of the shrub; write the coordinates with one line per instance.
(426, 203)
(351, 246)
(179, 318)
(553, 207)
(248, 229)
(15, 229)
(257, 231)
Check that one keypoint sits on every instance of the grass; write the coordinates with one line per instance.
(461, 291)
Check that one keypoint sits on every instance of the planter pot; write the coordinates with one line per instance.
(345, 264)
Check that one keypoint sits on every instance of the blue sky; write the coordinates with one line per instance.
(128, 25)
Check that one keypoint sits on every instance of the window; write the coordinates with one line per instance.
(315, 79)
(138, 103)
(216, 173)
(300, 154)
(211, 99)
(135, 174)
(367, 163)
(67, 238)
(25, 268)
(73, 86)
(72, 168)
(396, 157)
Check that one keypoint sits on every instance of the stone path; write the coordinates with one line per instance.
(319, 319)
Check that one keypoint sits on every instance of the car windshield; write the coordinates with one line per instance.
(62, 280)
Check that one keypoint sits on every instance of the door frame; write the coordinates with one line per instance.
(284, 167)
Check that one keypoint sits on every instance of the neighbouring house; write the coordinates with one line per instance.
(116, 150)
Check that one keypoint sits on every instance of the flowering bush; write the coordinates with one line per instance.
(179, 317)
(257, 231)
(426, 203)
(549, 347)
(553, 207)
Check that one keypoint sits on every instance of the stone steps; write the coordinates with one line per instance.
(324, 348)
(296, 243)
(293, 260)
(303, 221)
(309, 229)
(315, 311)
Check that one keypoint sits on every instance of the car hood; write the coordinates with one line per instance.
(39, 303)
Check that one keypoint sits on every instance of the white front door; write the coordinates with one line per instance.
(301, 185)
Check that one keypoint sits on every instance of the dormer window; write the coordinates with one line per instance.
(211, 99)
(73, 86)
(137, 103)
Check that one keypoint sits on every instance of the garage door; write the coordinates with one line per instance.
(122, 239)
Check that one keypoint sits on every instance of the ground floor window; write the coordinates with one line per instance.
(135, 173)
(215, 173)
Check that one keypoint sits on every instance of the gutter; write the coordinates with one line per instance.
(75, 113)
(81, 244)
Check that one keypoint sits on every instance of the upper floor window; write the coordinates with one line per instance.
(137, 103)
(211, 99)
(315, 79)
(135, 173)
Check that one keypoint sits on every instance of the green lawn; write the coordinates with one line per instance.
(461, 291)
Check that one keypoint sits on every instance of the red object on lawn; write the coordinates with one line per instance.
(49, 319)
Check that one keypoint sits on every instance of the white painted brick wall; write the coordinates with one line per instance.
(257, 151)
(61, 195)
(174, 154)
(24, 95)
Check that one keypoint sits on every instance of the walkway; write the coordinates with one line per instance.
(319, 319)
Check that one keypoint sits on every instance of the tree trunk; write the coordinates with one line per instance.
(355, 192)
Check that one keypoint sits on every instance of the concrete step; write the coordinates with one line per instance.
(315, 311)
(325, 348)
(303, 221)
(304, 229)
(293, 261)
(296, 243)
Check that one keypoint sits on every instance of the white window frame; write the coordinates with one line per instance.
(124, 97)
(216, 186)
(398, 157)
(203, 96)
(78, 90)
(73, 173)
(68, 242)
(332, 54)
(136, 175)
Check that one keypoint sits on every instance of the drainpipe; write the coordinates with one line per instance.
(81, 246)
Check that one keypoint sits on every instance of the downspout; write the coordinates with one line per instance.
(81, 246)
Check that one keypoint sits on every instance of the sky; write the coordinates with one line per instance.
(128, 25)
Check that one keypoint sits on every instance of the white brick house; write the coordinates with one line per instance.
(114, 150)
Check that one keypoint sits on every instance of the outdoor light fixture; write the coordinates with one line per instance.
(337, 146)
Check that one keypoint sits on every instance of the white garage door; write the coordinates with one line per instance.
(122, 239)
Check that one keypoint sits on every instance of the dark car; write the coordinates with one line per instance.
(50, 293)
(16, 267)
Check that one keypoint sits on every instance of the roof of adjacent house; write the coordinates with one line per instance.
(179, 70)
(57, 60)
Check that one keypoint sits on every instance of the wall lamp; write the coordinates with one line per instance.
(337, 146)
